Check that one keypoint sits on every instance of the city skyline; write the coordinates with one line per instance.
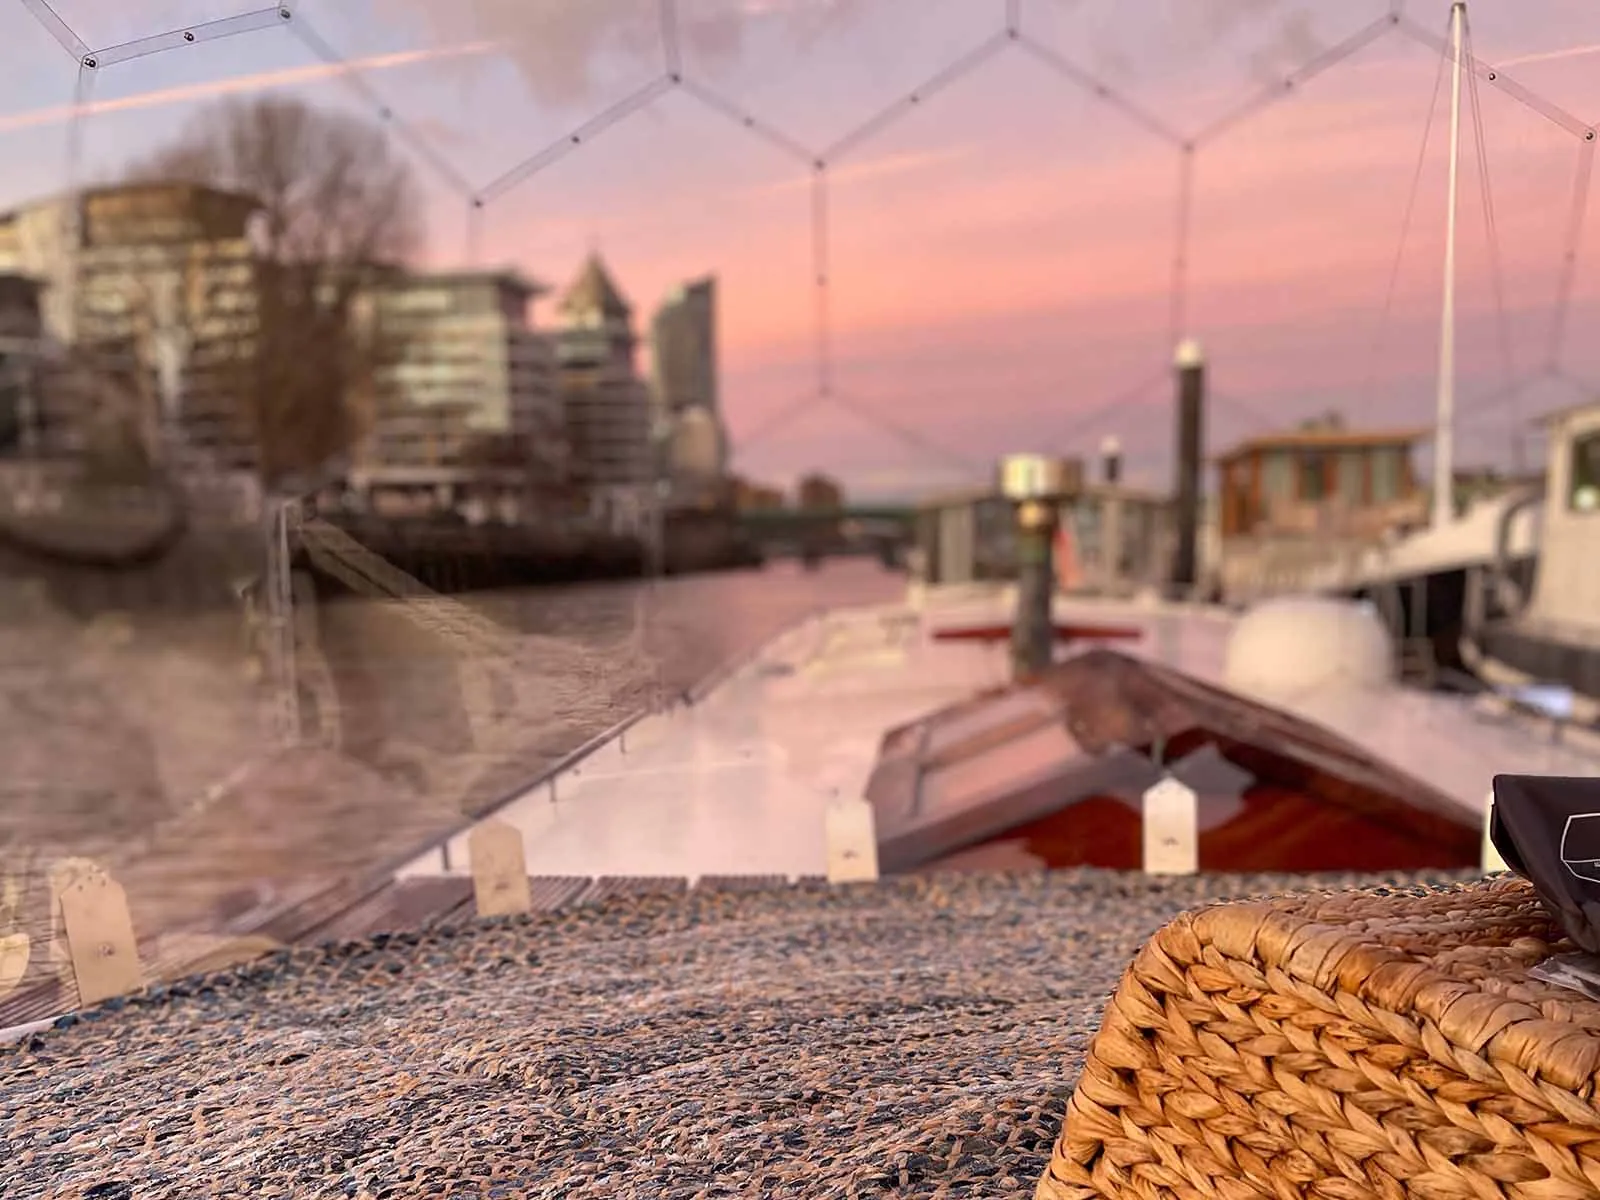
(1000, 258)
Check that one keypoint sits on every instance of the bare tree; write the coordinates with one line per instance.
(338, 208)
(116, 445)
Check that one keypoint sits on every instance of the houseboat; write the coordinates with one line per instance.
(1335, 511)
(1294, 504)
(1534, 629)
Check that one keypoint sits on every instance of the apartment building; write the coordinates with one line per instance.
(683, 365)
(750, 496)
(159, 275)
(467, 391)
(163, 281)
(608, 408)
(21, 331)
(683, 348)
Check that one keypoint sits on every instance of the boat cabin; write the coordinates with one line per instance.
(1320, 479)
(1051, 773)
(1112, 537)
(1566, 592)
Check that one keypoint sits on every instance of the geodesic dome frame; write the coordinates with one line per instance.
(1012, 36)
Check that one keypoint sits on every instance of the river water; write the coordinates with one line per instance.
(694, 624)
(589, 657)
(115, 744)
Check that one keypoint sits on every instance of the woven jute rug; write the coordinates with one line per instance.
(918, 1037)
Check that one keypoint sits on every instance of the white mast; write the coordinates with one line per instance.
(1444, 467)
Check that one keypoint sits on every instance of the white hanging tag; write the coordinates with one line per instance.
(852, 842)
(1492, 861)
(105, 956)
(499, 873)
(1171, 828)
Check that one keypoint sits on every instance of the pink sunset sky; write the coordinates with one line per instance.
(1000, 254)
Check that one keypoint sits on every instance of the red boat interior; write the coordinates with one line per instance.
(1050, 772)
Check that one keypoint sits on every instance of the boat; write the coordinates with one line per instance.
(59, 517)
(710, 827)
(1285, 723)
(1136, 729)
(1160, 735)
(1425, 576)
(740, 781)
(1537, 640)
(1271, 542)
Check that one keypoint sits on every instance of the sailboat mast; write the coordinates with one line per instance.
(1444, 467)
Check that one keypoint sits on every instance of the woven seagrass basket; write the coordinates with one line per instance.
(1364, 1044)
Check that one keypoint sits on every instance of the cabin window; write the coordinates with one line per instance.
(1277, 483)
(1386, 475)
(1313, 478)
(993, 771)
(1240, 500)
(1583, 488)
(960, 733)
(1353, 478)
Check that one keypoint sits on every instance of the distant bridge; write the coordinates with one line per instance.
(884, 530)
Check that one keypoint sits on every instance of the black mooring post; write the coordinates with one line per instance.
(1113, 549)
(1035, 485)
(1111, 461)
(1032, 632)
(1191, 371)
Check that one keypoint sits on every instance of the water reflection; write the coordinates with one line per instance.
(166, 713)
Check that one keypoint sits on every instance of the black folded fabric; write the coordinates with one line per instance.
(1547, 828)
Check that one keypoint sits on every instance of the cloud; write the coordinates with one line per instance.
(1268, 37)
(1551, 55)
(61, 113)
(561, 48)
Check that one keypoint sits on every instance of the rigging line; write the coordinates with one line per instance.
(905, 434)
(778, 420)
(1576, 218)
(1128, 397)
(1244, 408)
(1476, 410)
(820, 265)
(1178, 311)
(1386, 311)
(1514, 415)
(1562, 375)
(1491, 224)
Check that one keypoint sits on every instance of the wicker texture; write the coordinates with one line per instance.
(1364, 1044)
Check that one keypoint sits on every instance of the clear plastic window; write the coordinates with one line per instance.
(1583, 488)
(949, 736)
(1010, 766)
